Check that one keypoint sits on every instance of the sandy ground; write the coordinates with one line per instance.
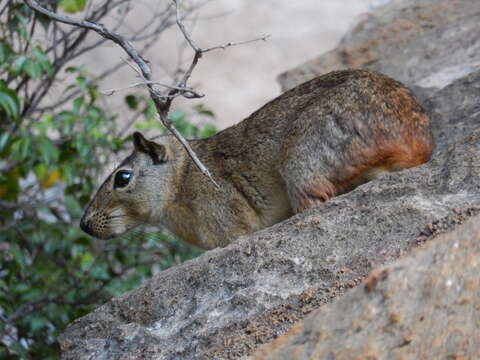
(239, 80)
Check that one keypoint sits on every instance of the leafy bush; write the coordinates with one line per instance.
(50, 156)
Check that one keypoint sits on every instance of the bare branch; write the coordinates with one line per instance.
(161, 106)
(161, 100)
(198, 50)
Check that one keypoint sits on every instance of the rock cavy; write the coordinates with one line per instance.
(317, 140)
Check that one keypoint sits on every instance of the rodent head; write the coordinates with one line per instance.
(134, 193)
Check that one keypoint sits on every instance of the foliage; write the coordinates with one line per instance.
(50, 156)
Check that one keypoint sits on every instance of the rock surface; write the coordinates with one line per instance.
(424, 43)
(226, 302)
(426, 306)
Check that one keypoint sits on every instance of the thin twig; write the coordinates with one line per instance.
(236, 43)
(189, 92)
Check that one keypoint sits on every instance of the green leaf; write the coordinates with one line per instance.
(73, 206)
(17, 254)
(19, 64)
(40, 170)
(86, 261)
(25, 10)
(67, 119)
(45, 210)
(82, 83)
(92, 91)
(42, 126)
(99, 272)
(49, 151)
(83, 148)
(40, 55)
(200, 108)
(18, 23)
(33, 69)
(5, 52)
(177, 116)
(19, 350)
(131, 101)
(44, 20)
(21, 148)
(4, 138)
(72, 69)
(150, 111)
(69, 172)
(77, 104)
(73, 6)
(68, 124)
(37, 323)
(9, 102)
(25, 148)
(10, 183)
(43, 60)
(208, 130)
(149, 124)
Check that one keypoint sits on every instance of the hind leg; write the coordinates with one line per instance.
(312, 192)
(307, 176)
(313, 178)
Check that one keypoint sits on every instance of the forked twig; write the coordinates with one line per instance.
(198, 50)
(162, 101)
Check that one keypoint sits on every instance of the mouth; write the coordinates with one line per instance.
(103, 230)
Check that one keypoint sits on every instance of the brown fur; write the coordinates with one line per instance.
(318, 140)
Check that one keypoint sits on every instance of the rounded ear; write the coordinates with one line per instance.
(157, 152)
(139, 142)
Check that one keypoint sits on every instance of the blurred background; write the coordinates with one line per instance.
(60, 134)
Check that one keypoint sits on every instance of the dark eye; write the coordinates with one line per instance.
(122, 178)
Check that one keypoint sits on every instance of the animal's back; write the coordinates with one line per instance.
(327, 136)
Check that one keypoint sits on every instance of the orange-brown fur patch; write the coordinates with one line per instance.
(391, 156)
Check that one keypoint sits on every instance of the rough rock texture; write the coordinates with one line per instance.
(228, 301)
(426, 306)
(425, 43)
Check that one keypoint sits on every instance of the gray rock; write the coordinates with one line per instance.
(423, 43)
(226, 302)
(426, 306)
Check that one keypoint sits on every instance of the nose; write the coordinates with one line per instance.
(86, 225)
